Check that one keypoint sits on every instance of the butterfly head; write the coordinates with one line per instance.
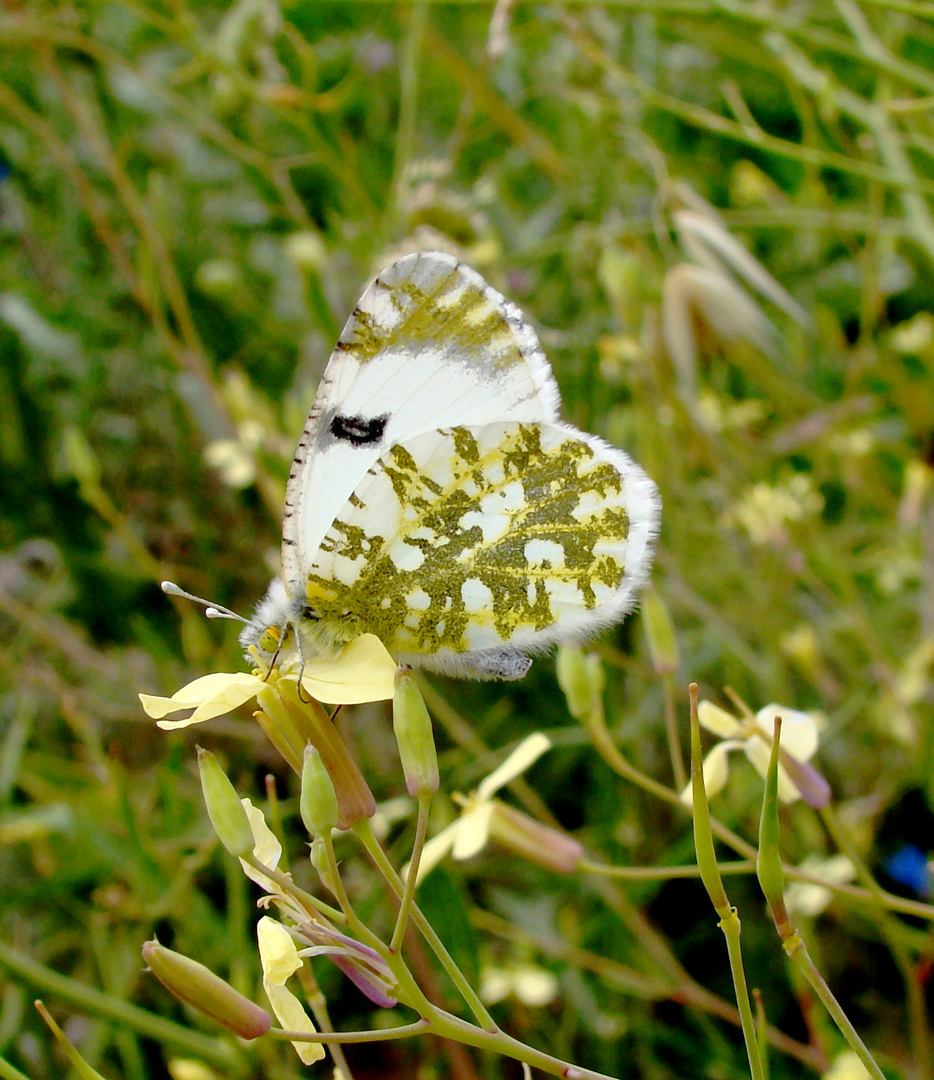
(270, 631)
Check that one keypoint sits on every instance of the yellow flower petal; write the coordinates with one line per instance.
(277, 951)
(716, 770)
(292, 1016)
(266, 849)
(473, 830)
(364, 671)
(524, 755)
(799, 729)
(210, 696)
(279, 958)
(717, 720)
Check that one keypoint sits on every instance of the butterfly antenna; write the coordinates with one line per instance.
(212, 611)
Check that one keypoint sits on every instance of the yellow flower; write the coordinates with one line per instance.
(365, 967)
(753, 735)
(470, 832)
(364, 671)
(280, 960)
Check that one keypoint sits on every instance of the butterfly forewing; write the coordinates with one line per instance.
(468, 538)
(430, 344)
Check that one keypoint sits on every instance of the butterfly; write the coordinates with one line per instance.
(436, 499)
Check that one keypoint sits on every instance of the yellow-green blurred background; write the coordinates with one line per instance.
(193, 197)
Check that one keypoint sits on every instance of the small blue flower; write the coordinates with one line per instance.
(909, 866)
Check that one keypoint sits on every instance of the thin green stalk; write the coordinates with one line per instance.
(663, 873)
(798, 953)
(608, 750)
(447, 1026)
(309, 902)
(731, 928)
(367, 837)
(634, 983)
(710, 875)
(410, 991)
(10, 1072)
(330, 1038)
(408, 897)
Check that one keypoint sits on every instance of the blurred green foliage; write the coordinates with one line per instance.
(193, 198)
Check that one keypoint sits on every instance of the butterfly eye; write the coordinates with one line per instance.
(270, 639)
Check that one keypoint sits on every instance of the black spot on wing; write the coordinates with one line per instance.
(359, 430)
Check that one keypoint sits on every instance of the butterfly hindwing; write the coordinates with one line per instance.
(467, 541)
(429, 344)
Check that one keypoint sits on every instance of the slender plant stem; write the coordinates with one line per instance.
(710, 874)
(671, 733)
(731, 927)
(447, 1026)
(798, 953)
(663, 873)
(411, 881)
(365, 832)
(10, 1072)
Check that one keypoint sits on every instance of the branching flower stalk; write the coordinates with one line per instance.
(334, 796)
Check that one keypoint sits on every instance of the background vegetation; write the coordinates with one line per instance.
(193, 197)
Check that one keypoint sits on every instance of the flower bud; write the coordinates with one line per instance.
(414, 734)
(194, 984)
(663, 645)
(581, 677)
(811, 784)
(364, 966)
(529, 838)
(318, 802)
(224, 807)
(318, 857)
(354, 798)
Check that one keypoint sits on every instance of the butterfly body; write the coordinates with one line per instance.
(437, 501)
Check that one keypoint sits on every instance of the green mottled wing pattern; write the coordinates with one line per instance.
(468, 538)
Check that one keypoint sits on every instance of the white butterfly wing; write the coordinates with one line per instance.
(429, 345)
(465, 547)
